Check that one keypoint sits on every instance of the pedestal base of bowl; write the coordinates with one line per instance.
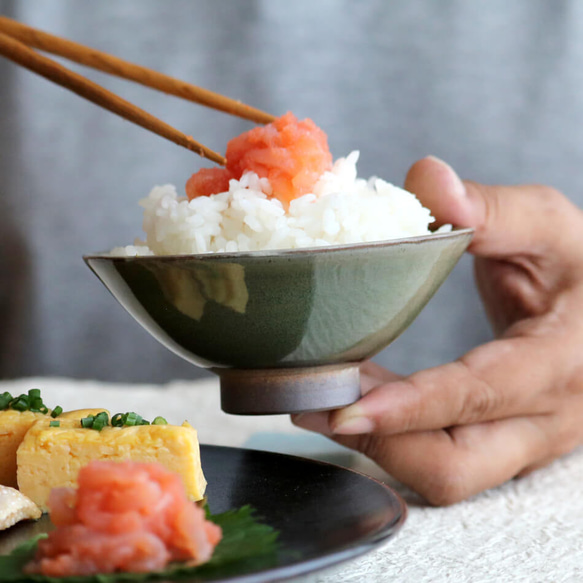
(288, 390)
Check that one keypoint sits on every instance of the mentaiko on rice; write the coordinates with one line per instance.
(333, 207)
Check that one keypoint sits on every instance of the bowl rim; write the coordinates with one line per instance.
(455, 233)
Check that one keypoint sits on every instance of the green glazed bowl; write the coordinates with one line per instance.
(285, 330)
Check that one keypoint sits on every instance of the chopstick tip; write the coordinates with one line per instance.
(205, 152)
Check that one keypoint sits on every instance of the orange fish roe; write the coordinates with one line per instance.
(208, 181)
(123, 517)
(292, 154)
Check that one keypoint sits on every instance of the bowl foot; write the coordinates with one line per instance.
(288, 390)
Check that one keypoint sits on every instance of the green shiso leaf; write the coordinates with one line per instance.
(247, 545)
(11, 565)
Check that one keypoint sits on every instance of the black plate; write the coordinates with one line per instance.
(325, 514)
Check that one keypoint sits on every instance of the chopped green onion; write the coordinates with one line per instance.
(100, 421)
(129, 419)
(32, 401)
(19, 404)
(57, 411)
(132, 419)
(87, 422)
(55, 424)
(36, 403)
(5, 399)
(117, 420)
(98, 424)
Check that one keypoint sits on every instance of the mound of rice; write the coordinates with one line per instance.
(342, 209)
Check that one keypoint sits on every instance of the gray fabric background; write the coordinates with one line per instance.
(492, 87)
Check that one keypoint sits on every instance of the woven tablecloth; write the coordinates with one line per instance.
(529, 529)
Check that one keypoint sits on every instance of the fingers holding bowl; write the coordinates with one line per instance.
(532, 220)
(372, 375)
(501, 379)
(447, 466)
(455, 430)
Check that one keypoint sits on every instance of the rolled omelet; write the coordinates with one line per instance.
(13, 427)
(51, 457)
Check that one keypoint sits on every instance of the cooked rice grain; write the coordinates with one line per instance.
(343, 209)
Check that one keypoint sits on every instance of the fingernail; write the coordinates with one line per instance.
(354, 425)
(456, 186)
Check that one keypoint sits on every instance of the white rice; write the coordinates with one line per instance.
(342, 209)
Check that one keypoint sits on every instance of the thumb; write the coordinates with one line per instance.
(508, 220)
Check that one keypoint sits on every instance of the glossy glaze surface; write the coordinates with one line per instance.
(281, 309)
(297, 308)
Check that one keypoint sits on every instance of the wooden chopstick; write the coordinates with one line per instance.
(116, 66)
(29, 58)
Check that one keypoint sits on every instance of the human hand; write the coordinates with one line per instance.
(509, 406)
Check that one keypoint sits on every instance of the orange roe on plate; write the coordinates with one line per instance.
(291, 154)
(123, 517)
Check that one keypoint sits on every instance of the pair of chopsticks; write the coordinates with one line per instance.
(16, 40)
